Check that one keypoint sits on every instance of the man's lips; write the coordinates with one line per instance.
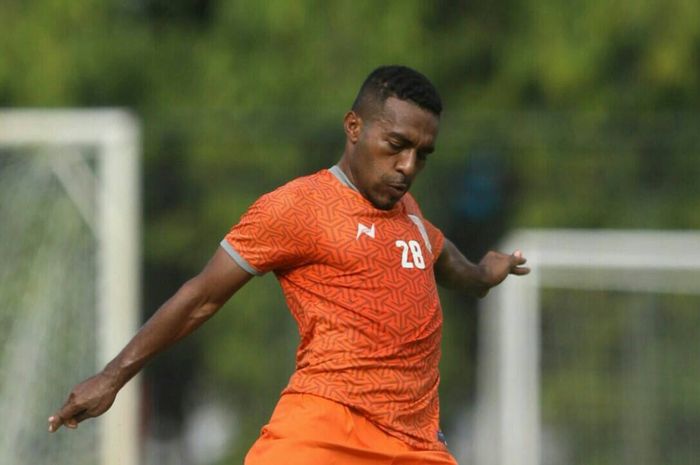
(399, 188)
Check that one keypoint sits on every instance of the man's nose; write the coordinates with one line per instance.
(406, 163)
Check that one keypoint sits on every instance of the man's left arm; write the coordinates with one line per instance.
(454, 271)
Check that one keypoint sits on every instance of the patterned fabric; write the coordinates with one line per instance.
(359, 282)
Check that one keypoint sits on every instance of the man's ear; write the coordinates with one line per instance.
(353, 126)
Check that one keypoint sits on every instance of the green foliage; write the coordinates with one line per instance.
(586, 105)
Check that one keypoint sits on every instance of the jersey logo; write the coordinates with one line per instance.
(362, 229)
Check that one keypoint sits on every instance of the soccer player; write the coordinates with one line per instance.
(358, 264)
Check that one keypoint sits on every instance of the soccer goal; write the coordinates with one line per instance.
(595, 356)
(69, 278)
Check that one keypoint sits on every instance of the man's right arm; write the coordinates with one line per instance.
(195, 302)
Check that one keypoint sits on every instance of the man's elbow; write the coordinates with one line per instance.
(198, 299)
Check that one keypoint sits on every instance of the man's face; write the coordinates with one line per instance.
(389, 150)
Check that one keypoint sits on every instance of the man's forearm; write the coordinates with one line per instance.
(175, 319)
(455, 271)
(466, 277)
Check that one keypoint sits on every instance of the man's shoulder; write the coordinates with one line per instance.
(309, 182)
(303, 189)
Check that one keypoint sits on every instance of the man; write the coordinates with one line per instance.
(358, 265)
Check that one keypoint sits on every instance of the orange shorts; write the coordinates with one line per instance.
(310, 430)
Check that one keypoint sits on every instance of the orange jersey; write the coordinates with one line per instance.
(359, 282)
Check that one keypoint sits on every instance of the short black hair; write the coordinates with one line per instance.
(400, 82)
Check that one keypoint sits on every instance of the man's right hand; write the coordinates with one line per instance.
(89, 399)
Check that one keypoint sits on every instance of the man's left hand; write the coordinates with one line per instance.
(496, 266)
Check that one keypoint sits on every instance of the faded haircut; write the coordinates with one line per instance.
(396, 81)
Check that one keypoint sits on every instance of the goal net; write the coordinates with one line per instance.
(69, 277)
(595, 357)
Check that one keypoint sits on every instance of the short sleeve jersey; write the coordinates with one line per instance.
(359, 282)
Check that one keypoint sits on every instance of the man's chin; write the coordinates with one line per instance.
(386, 203)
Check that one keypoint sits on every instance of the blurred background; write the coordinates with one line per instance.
(558, 114)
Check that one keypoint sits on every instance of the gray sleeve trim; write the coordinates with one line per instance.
(423, 232)
(238, 259)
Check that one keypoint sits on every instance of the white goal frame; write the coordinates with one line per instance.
(507, 423)
(114, 136)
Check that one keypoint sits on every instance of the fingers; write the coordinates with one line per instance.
(69, 416)
(518, 260)
(84, 415)
(520, 271)
(71, 423)
(55, 422)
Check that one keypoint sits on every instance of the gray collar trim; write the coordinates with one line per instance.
(342, 177)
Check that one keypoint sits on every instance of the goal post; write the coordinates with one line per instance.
(93, 156)
(508, 423)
